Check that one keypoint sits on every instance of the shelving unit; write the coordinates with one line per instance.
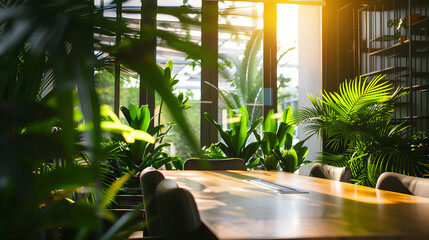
(380, 44)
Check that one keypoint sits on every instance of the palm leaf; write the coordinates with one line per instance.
(357, 94)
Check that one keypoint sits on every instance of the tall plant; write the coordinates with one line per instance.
(245, 76)
(357, 124)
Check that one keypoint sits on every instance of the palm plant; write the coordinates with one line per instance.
(246, 80)
(357, 124)
(245, 76)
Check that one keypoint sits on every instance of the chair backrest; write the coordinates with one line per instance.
(342, 174)
(215, 164)
(148, 182)
(179, 214)
(403, 184)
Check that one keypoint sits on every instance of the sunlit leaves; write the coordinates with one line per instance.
(236, 137)
(357, 125)
(114, 125)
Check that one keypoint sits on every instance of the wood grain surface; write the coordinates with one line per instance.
(234, 208)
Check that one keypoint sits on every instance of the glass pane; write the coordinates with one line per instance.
(287, 56)
(240, 50)
(129, 91)
(105, 85)
(187, 71)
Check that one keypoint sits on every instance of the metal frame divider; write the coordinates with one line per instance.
(209, 70)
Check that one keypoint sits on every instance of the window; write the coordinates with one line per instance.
(261, 75)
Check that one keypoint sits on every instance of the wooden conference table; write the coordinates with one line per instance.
(256, 205)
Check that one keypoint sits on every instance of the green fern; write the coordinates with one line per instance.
(356, 123)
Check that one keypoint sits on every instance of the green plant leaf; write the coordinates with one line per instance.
(226, 137)
(253, 162)
(144, 118)
(289, 160)
(271, 162)
(134, 113)
(250, 150)
(242, 135)
(288, 142)
(269, 142)
(114, 189)
(287, 116)
(126, 114)
(227, 150)
(283, 130)
(270, 123)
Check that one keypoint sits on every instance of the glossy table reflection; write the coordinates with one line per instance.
(234, 208)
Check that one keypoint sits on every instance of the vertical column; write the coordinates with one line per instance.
(209, 72)
(148, 28)
(309, 70)
(117, 84)
(330, 74)
(270, 56)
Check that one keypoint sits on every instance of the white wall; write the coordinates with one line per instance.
(310, 68)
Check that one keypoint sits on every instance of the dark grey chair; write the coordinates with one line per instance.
(403, 184)
(215, 164)
(342, 174)
(179, 214)
(149, 180)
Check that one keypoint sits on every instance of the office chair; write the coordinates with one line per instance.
(179, 214)
(149, 181)
(342, 174)
(215, 164)
(403, 184)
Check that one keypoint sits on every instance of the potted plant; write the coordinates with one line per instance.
(235, 138)
(277, 143)
(357, 125)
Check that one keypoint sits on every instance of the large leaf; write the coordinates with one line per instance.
(271, 162)
(282, 132)
(242, 135)
(249, 150)
(356, 94)
(290, 160)
(226, 137)
(270, 123)
(287, 115)
(269, 142)
(144, 117)
(113, 190)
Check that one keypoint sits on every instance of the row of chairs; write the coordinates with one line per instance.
(389, 181)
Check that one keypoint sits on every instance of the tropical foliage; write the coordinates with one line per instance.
(245, 77)
(138, 155)
(48, 50)
(357, 125)
(235, 138)
(277, 141)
